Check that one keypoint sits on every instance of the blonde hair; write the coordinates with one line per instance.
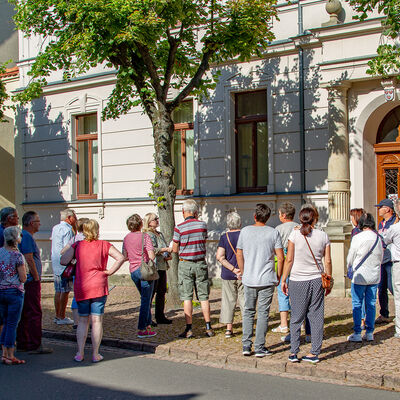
(149, 217)
(134, 222)
(91, 230)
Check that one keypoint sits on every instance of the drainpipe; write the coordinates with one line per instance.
(301, 105)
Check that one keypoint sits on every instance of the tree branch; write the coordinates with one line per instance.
(195, 81)
(173, 47)
(151, 68)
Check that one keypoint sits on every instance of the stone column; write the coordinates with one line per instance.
(339, 226)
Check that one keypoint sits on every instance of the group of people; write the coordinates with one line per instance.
(254, 259)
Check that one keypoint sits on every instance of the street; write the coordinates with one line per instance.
(128, 375)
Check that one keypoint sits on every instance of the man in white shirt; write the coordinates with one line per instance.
(60, 236)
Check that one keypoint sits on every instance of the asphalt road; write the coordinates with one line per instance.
(127, 375)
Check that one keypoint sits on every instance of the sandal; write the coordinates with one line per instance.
(228, 333)
(13, 361)
(78, 358)
(98, 359)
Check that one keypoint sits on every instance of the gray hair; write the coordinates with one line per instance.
(397, 207)
(5, 213)
(11, 235)
(64, 214)
(191, 206)
(233, 220)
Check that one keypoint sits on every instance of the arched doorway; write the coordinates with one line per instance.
(387, 149)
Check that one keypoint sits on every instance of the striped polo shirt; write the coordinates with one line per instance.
(191, 236)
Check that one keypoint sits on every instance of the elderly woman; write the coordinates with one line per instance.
(306, 248)
(134, 242)
(12, 278)
(232, 288)
(91, 284)
(365, 257)
(163, 253)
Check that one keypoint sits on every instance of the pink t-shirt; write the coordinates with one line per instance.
(91, 262)
(133, 247)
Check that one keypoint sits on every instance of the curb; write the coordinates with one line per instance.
(236, 360)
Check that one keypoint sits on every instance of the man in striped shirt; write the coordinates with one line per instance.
(190, 242)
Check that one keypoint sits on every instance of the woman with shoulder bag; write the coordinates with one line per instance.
(163, 254)
(138, 248)
(364, 266)
(306, 248)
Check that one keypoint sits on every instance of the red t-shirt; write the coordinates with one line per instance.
(91, 262)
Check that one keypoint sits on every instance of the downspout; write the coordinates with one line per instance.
(301, 105)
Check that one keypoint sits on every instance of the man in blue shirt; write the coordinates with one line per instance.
(29, 333)
(385, 211)
(8, 217)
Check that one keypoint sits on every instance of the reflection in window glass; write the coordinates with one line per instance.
(87, 125)
(245, 158)
(177, 159)
(189, 143)
(94, 164)
(389, 128)
(184, 113)
(262, 154)
(252, 103)
(83, 162)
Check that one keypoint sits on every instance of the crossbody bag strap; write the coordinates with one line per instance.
(227, 236)
(367, 255)
(142, 246)
(321, 270)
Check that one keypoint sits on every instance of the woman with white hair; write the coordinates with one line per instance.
(12, 278)
(232, 288)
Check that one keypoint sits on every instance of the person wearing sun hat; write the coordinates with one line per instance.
(386, 212)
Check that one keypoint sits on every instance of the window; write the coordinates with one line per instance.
(251, 131)
(87, 156)
(389, 129)
(182, 148)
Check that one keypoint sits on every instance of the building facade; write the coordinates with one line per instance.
(305, 123)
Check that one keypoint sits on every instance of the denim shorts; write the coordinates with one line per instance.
(92, 306)
(62, 285)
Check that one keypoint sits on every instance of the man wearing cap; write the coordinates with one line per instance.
(385, 211)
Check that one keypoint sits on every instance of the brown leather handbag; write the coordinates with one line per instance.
(327, 280)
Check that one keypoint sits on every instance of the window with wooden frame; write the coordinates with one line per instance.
(87, 156)
(251, 138)
(183, 148)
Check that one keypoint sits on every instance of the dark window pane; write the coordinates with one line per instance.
(95, 166)
(245, 158)
(391, 181)
(389, 128)
(189, 144)
(184, 113)
(253, 103)
(262, 154)
(83, 162)
(177, 159)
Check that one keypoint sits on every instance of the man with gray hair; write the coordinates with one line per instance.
(190, 242)
(8, 217)
(60, 236)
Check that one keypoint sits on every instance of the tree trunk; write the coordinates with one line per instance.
(164, 191)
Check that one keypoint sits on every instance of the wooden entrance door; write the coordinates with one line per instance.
(388, 168)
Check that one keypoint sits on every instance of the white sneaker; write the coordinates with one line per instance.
(354, 337)
(65, 321)
(280, 329)
(55, 320)
(369, 337)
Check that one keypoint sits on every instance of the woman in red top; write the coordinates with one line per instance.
(91, 284)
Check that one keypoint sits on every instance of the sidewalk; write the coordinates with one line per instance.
(374, 364)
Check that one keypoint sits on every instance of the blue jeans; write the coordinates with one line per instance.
(11, 302)
(146, 291)
(283, 300)
(384, 285)
(359, 293)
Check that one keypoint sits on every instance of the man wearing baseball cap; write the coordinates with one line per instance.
(385, 211)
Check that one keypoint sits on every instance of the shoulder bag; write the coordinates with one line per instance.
(327, 280)
(148, 270)
(70, 269)
(351, 270)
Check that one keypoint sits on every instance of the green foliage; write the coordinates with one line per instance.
(3, 93)
(154, 45)
(388, 60)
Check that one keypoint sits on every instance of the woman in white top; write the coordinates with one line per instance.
(365, 257)
(305, 285)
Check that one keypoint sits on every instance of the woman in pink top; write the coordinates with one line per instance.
(91, 284)
(132, 250)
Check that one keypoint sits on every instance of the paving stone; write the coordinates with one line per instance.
(267, 364)
(183, 353)
(391, 381)
(214, 357)
(364, 378)
(162, 350)
(240, 360)
(300, 368)
(322, 371)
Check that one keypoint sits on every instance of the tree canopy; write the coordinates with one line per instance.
(387, 61)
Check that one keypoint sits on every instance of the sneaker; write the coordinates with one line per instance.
(263, 352)
(187, 334)
(55, 320)
(312, 360)
(246, 351)
(228, 334)
(210, 333)
(382, 320)
(308, 338)
(145, 334)
(368, 336)
(354, 337)
(281, 329)
(65, 321)
(293, 358)
(286, 339)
